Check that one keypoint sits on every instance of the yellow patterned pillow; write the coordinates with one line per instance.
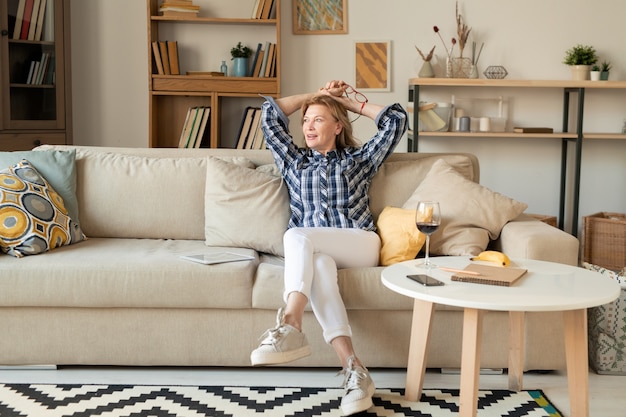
(33, 217)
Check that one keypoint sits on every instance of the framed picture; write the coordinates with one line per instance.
(320, 17)
(372, 65)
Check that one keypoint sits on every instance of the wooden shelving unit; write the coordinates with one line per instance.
(172, 95)
(568, 87)
(35, 112)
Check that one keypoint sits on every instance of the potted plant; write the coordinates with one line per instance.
(580, 58)
(595, 73)
(240, 55)
(605, 67)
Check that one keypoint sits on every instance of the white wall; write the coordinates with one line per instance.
(109, 51)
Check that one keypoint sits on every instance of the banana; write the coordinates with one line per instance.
(492, 256)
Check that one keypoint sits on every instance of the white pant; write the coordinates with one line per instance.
(312, 256)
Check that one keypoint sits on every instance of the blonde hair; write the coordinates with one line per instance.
(345, 138)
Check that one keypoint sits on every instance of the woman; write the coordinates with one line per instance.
(331, 224)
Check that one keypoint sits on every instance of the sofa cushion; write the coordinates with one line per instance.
(33, 217)
(400, 239)
(140, 197)
(127, 273)
(245, 208)
(396, 179)
(57, 167)
(471, 214)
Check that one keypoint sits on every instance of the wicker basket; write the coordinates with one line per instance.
(604, 240)
(551, 220)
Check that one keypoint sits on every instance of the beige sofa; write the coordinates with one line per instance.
(124, 296)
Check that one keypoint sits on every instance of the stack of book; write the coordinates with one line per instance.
(165, 55)
(42, 71)
(264, 9)
(264, 61)
(196, 129)
(179, 8)
(34, 20)
(250, 134)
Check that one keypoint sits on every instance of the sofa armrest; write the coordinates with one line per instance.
(528, 238)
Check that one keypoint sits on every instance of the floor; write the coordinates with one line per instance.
(607, 393)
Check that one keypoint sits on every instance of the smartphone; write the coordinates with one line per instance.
(425, 280)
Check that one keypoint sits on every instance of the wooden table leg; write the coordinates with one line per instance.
(470, 361)
(576, 351)
(516, 350)
(418, 347)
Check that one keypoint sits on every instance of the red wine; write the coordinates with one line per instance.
(427, 228)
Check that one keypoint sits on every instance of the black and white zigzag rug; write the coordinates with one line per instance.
(49, 400)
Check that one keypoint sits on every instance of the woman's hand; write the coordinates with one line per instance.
(334, 88)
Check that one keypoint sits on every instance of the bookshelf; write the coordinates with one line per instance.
(204, 40)
(35, 87)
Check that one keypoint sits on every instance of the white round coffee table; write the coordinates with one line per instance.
(547, 286)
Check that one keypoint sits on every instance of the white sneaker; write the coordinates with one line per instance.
(359, 389)
(282, 344)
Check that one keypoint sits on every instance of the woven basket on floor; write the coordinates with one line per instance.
(604, 240)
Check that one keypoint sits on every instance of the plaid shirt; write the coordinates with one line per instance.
(331, 190)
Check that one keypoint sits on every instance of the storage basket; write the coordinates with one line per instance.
(607, 329)
(551, 220)
(604, 240)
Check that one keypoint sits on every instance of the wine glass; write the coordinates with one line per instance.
(427, 219)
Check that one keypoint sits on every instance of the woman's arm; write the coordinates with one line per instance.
(291, 104)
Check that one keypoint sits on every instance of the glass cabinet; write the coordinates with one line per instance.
(34, 74)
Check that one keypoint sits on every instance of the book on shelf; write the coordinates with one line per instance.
(19, 19)
(33, 20)
(244, 128)
(265, 57)
(28, 14)
(179, 8)
(172, 54)
(254, 128)
(187, 126)
(40, 20)
(250, 133)
(31, 17)
(165, 57)
(271, 59)
(203, 131)
(156, 54)
(533, 130)
(491, 275)
(257, 66)
(255, 58)
(195, 129)
(193, 135)
(255, 9)
(273, 10)
(267, 7)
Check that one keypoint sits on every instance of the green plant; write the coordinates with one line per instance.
(595, 68)
(581, 55)
(606, 66)
(240, 51)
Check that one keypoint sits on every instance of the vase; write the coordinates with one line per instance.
(473, 72)
(426, 71)
(595, 75)
(580, 72)
(461, 67)
(604, 75)
(448, 69)
(240, 67)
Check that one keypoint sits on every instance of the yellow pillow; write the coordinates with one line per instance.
(400, 239)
